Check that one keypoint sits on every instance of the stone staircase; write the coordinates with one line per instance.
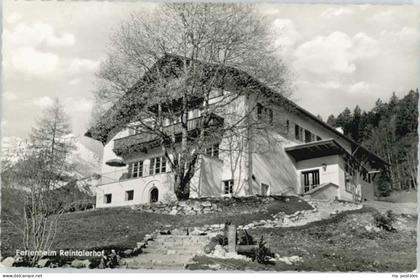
(168, 252)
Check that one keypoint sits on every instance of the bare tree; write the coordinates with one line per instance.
(208, 40)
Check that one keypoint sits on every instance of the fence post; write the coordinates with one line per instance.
(231, 236)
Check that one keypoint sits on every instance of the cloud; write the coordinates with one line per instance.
(332, 85)
(286, 33)
(74, 81)
(43, 102)
(36, 34)
(336, 12)
(359, 87)
(34, 62)
(384, 17)
(406, 36)
(78, 104)
(325, 54)
(364, 46)
(82, 65)
(7, 95)
(13, 18)
(335, 53)
(320, 85)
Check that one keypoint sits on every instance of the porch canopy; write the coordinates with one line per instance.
(315, 149)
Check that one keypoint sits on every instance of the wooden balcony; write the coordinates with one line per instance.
(143, 141)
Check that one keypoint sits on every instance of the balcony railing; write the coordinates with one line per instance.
(122, 175)
(142, 141)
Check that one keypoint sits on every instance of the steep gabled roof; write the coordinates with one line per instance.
(119, 114)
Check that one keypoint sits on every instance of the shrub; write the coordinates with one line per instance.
(263, 254)
(385, 221)
(246, 239)
(383, 184)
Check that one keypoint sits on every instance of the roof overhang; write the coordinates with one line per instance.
(315, 149)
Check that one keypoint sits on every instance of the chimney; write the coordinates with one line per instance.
(340, 129)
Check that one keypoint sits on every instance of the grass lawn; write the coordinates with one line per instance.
(341, 243)
(122, 228)
(338, 244)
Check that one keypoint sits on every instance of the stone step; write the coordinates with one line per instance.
(174, 248)
(182, 240)
(159, 259)
(156, 266)
(168, 252)
(186, 244)
(183, 236)
(173, 251)
(179, 243)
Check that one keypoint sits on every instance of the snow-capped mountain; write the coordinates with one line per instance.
(86, 159)
(12, 147)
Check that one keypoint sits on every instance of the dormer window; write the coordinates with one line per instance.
(298, 133)
(264, 114)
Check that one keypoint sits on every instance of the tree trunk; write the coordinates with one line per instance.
(182, 188)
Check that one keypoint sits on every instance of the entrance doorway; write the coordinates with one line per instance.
(265, 189)
(154, 195)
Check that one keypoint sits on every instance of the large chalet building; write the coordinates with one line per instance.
(304, 156)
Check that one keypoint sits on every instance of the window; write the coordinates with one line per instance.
(348, 187)
(157, 165)
(264, 114)
(107, 198)
(287, 126)
(228, 187)
(310, 180)
(129, 195)
(350, 173)
(308, 136)
(135, 169)
(213, 151)
(298, 133)
(318, 138)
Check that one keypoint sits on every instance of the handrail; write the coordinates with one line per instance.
(122, 176)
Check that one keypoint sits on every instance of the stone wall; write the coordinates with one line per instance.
(189, 207)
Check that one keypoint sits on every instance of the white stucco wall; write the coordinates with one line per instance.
(330, 174)
(272, 166)
(141, 186)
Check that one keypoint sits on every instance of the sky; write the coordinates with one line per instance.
(339, 55)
